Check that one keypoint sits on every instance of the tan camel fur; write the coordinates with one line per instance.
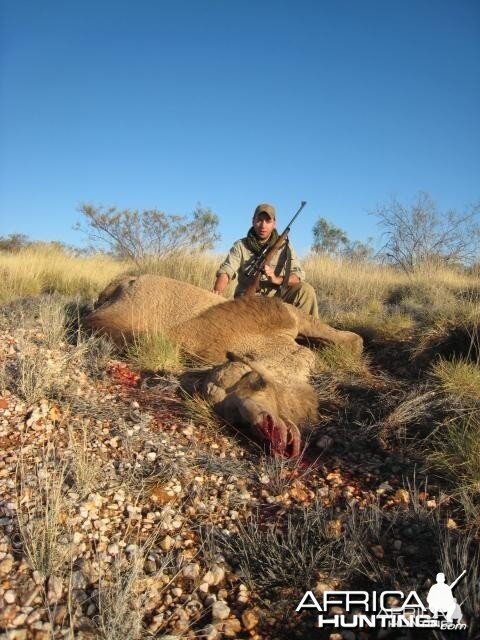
(265, 384)
(244, 392)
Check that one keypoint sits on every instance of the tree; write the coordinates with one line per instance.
(335, 241)
(420, 233)
(327, 238)
(137, 234)
(359, 251)
(14, 242)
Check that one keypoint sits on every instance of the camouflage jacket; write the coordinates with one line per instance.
(240, 256)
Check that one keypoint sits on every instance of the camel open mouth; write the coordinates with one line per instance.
(283, 440)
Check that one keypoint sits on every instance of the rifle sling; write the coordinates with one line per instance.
(288, 266)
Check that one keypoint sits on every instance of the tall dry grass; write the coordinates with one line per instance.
(41, 269)
(196, 268)
(345, 285)
(352, 285)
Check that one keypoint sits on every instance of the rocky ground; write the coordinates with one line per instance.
(130, 511)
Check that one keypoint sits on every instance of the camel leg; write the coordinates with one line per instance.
(318, 332)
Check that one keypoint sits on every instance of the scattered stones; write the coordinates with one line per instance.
(150, 493)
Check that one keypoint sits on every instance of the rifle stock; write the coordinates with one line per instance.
(254, 285)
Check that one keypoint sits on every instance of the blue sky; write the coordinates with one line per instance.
(342, 103)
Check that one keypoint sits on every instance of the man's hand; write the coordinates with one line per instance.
(270, 273)
(220, 284)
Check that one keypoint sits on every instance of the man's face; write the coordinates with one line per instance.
(263, 226)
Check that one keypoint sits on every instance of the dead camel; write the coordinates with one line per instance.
(264, 383)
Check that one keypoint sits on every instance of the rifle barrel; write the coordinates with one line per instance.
(304, 202)
(455, 582)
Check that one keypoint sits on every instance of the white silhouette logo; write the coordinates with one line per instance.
(375, 609)
(441, 600)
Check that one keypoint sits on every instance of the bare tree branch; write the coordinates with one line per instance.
(137, 234)
(421, 233)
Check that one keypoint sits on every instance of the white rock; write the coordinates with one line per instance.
(55, 589)
(167, 543)
(209, 578)
(220, 611)
(6, 565)
(77, 537)
(384, 488)
(191, 571)
(10, 596)
(113, 549)
(209, 633)
(325, 442)
(218, 574)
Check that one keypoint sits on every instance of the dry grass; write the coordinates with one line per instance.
(93, 353)
(283, 559)
(413, 417)
(459, 551)
(460, 377)
(120, 609)
(198, 268)
(154, 352)
(42, 515)
(277, 473)
(84, 467)
(37, 270)
(454, 336)
(31, 375)
(340, 362)
(455, 450)
(349, 286)
(374, 321)
(201, 413)
(341, 285)
(52, 318)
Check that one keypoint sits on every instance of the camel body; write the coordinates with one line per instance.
(261, 373)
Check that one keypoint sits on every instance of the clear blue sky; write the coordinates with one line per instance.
(342, 103)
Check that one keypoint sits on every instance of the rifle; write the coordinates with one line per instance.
(455, 582)
(255, 268)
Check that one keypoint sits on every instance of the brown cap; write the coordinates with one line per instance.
(269, 209)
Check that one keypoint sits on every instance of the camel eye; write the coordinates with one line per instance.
(257, 382)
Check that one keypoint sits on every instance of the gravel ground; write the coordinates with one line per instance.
(121, 516)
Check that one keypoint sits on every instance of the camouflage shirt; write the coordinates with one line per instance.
(240, 256)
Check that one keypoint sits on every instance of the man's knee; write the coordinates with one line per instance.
(302, 295)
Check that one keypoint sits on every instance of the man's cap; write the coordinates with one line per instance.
(269, 209)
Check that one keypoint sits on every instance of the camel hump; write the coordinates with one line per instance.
(114, 290)
(148, 303)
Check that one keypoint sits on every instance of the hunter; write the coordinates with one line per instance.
(284, 275)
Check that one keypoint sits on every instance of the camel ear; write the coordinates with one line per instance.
(256, 381)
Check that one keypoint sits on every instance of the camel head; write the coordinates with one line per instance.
(245, 394)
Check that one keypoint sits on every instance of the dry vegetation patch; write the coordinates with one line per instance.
(128, 511)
